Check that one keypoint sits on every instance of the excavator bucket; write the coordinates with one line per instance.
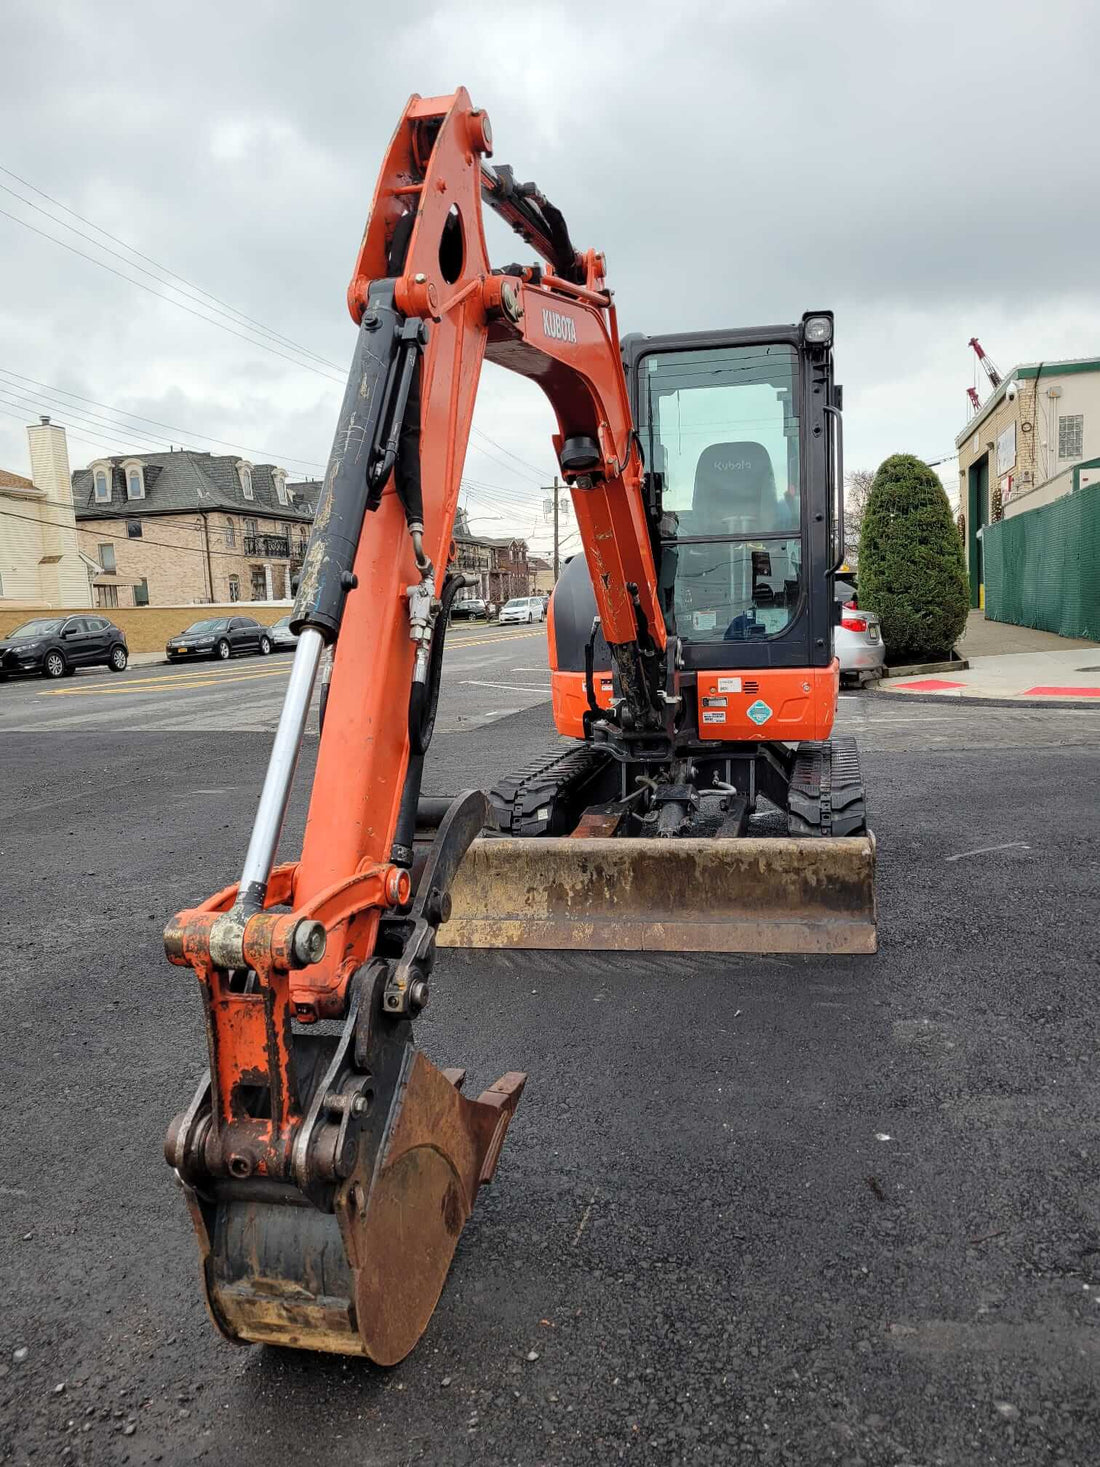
(743, 895)
(354, 1269)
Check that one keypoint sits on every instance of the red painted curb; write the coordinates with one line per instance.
(932, 685)
(1061, 692)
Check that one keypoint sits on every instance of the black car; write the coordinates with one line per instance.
(56, 646)
(472, 607)
(219, 636)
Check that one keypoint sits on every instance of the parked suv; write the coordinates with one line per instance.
(521, 608)
(56, 646)
(220, 637)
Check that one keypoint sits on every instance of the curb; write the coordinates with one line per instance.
(915, 669)
(982, 701)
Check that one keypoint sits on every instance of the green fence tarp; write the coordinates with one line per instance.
(1042, 568)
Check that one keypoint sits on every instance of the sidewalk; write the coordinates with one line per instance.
(1012, 664)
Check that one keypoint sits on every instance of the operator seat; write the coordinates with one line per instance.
(734, 491)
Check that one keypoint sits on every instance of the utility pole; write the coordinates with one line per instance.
(556, 562)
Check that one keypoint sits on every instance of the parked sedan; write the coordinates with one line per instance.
(219, 637)
(470, 608)
(521, 609)
(282, 638)
(56, 646)
(858, 639)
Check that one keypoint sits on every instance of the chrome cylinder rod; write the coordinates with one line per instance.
(280, 770)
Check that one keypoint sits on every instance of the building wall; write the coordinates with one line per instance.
(1036, 413)
(179, 556)
(20, 547)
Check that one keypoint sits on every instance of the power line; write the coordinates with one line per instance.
(206, 437)
(306, 366)
(90, 527)
(253, 325)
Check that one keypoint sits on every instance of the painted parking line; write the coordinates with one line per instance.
(165, 684)
(508, 687)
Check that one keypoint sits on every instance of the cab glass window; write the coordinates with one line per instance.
(721, 426)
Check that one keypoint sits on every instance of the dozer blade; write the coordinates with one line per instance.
(750, 895)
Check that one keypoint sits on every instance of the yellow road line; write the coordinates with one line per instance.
(169, 684)
(484, 641)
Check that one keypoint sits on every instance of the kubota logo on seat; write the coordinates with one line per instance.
(559, 327)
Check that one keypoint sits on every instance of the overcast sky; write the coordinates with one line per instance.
(928, 171)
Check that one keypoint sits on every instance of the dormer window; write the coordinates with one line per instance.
(279, 475)
(133, 471)
(244, 471)
(101, 477)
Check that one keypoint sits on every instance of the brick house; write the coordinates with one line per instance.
(186, 528)
(500, 565)
(511, 573)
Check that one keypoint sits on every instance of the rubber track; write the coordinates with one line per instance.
(826, 796)
(551, 782)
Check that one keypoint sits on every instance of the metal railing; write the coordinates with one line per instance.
(276, 547)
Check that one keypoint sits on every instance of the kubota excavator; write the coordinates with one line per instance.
(328, 1166)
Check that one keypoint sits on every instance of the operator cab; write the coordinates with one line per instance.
(740, 432)
(740, 486)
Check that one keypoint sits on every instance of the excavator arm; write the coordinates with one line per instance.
(328, 1176)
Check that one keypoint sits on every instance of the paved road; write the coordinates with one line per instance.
(491, 672)
(763, 1210)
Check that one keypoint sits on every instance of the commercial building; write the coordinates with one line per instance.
(40, 560)
(1034, 442)
(187, 528)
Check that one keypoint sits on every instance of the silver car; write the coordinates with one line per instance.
(282, 638)
(857, 641)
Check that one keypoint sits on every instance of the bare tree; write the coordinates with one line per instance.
(857, 491)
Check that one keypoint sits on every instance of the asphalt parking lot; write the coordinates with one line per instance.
(775, 1210)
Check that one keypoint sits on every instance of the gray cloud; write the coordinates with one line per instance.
(927, 171)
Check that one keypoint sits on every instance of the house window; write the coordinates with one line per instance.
(279, 475)
(259, 583)
(102, 487)
(133, 529)
(106, 596)
(234, 588)
(141, 592)
(135, 489)
(1071, 436)
(230, 534)
(107, 560)
(245, 472)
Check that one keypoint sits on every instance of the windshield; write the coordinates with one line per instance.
(284, 621)
(721, 426)
(520, 601)
(199, 628)
(29, 629)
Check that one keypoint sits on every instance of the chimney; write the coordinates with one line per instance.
(63, 577)
(50, 461)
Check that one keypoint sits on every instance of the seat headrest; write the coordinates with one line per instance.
(735, 479)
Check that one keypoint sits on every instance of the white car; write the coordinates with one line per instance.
(521, 609)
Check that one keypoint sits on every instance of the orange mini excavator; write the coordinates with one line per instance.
(328, 1166)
